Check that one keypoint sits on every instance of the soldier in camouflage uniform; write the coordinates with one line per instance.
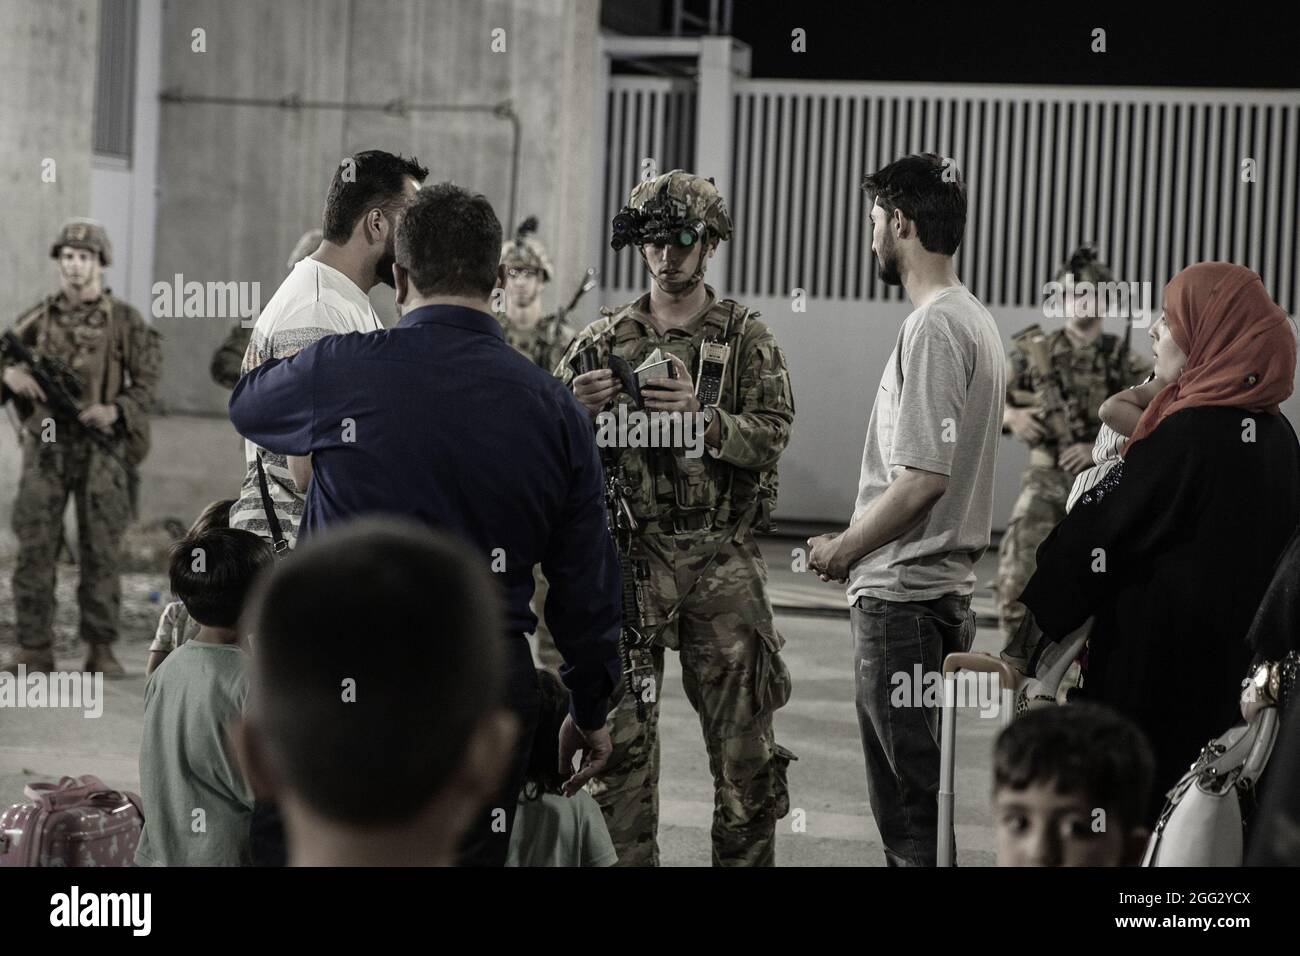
(117, 358)
(1092, 365)
(542, 339)
(228, 359)
(706, 590)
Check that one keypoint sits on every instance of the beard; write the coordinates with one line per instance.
(887, 263)
(384, 268)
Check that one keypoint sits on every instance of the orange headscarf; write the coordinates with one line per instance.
(1240, 347)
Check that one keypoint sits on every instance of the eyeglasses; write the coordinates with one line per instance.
(521, 273)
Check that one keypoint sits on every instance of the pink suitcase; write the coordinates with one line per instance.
(75, 822)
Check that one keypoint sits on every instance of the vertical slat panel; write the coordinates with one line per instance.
(1178, 207)
(784, 187)
(1147, 238)
(988, 197)
(794, 278)
(837, 215)
(1287, 272)
(826, 194)
(768, 212)
(1272, 180)
(1015, 202)
(853, 199)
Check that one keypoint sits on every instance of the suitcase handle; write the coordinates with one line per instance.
(983, 663)
(68, 792)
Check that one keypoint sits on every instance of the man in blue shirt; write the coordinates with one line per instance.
(438, 419)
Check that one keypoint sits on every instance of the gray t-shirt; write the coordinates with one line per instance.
(560, 831)
(190, 702)
(939, 409)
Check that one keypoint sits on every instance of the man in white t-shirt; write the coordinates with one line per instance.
(325, 294)
(925, 498)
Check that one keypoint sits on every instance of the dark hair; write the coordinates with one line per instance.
(449, 240)
(1082, 749)
(213, 571)
(543, 774)
(363, 181)
(376, 653)
(1085, 265)
(916, 186)
(215, 515)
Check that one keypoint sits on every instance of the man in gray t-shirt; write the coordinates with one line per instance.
(925, 498)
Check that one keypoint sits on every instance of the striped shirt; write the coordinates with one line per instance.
(315, 300)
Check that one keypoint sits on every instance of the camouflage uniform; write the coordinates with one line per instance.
(706, 589)
(1090, 374)
(118, 358)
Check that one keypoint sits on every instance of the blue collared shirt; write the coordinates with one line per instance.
(438, 419)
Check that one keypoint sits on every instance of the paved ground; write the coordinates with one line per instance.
(819, 725)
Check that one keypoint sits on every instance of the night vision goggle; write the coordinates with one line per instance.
(662, 221)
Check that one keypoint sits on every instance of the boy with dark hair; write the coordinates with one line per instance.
(382, 757)
(1070, 788)
(924, 511)
(197, 806)
(553, 828)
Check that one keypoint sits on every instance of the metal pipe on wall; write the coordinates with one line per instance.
(398, 107)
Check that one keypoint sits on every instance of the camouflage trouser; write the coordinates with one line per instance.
(548, 655)
(734, 679)
(1040, 507)
(51, 471)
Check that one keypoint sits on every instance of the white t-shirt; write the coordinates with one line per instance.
(939, 409)
(315, 300)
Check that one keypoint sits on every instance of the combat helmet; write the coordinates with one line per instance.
(525, 251)
(1085, 265)
(84, 234)
(676, 206)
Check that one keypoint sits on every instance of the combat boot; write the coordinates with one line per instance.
(36, 660)
(101, 659)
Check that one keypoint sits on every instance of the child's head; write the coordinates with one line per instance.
(212, 573)
(374, 714)
(544, 774)
(215, 515)
(1070, 788)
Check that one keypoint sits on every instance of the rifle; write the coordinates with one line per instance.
(633, 641)
(586, 285)
(1050, 396)
(62, 387)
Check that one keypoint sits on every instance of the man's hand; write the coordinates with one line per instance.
(671, 394)
(826, 556)
(20, 381)
(1024, 425)
(595, 746)
(594, 389)
(1076, 458)
(99, 416)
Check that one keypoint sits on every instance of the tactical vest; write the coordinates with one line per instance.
(667, 491)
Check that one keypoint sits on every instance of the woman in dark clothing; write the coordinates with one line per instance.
(1173, 551)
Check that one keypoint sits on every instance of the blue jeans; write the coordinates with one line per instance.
(900, 736)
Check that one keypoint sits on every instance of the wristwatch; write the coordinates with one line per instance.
(709, 412)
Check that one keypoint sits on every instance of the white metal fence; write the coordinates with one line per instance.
(1159, 178)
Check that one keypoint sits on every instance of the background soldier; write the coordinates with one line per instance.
(229, 356)
(116, 357)
(705, 590)
(542, 339)
(1056, 383)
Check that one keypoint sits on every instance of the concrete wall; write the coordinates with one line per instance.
(239, 184)
(47, 90)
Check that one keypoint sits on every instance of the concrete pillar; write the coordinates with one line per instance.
(47, 96)
(713, 146)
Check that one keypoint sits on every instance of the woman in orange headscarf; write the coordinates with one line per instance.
(1172, 552)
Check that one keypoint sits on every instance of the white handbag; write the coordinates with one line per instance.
(1202, 822)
